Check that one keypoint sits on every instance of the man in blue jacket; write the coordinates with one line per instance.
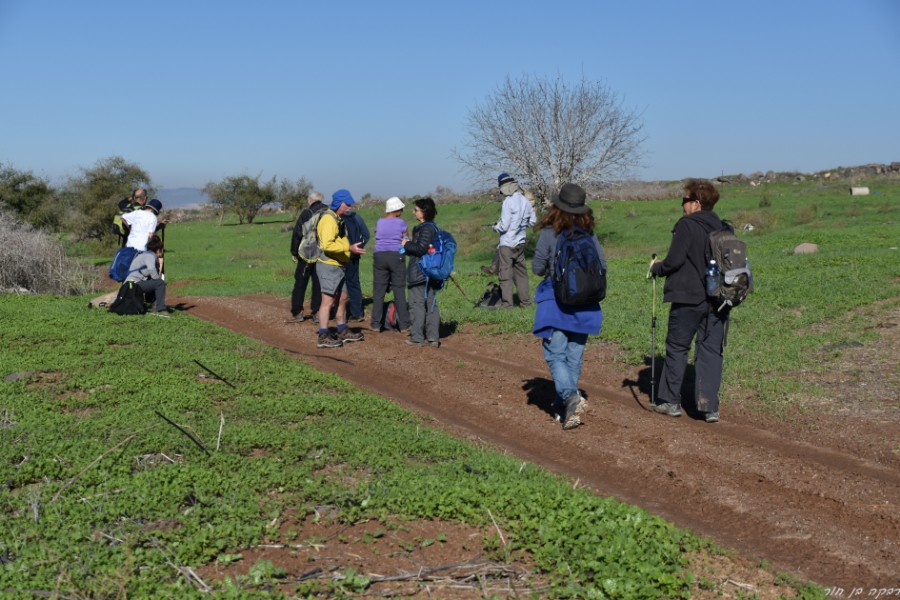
(691, 313)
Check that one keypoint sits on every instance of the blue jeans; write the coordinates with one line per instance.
(563, 352)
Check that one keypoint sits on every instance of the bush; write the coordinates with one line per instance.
(33, 262)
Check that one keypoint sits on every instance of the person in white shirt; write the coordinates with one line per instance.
(142, 223)
(516, 216)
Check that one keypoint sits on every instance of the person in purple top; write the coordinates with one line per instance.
(389, 265)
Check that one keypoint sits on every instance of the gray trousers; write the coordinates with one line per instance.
(158, 287)
(389, 272)
(513, 271)
(425, 314)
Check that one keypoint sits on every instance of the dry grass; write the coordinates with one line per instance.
(32, 262)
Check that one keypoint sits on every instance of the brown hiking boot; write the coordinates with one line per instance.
(347, 336)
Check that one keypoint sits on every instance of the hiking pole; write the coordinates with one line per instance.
(162, 271)
(453, 279)
(653, 337)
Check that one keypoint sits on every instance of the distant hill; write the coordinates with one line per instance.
(182, 197)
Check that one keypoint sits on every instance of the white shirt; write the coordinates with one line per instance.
(516, 216)
(143, 224)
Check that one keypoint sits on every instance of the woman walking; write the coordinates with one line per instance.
(564, 329)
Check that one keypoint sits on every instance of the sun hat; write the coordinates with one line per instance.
(393, 204)
(156, 205)
(504, 178)
(570, 199)
(341, 197)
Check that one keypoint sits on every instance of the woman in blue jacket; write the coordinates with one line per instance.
(564, 329)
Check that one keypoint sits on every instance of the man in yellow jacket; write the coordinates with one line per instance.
(334, 253)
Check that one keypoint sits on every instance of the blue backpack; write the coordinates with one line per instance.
(578, 275)
(121, 264)
(437, 264)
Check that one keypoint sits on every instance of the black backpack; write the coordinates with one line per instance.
(730, 280)
(129, 300)
(578, 275)
(491, 297)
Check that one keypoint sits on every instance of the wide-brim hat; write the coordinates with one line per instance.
(156, 205)
(571, 199)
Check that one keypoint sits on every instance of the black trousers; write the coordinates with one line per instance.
(302, 275)
(685, 322)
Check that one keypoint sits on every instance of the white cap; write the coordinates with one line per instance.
(393, 204)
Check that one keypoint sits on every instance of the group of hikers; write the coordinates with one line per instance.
(568, 256)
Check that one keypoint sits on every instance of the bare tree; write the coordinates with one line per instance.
(548, 133)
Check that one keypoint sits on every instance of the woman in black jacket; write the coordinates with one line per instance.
(422, 299)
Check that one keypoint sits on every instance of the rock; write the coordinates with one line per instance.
(26, 375)
(859, 191)
(806, 248)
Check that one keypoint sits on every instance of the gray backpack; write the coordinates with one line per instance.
(308, 249)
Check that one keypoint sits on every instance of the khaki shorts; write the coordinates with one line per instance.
(330, 277)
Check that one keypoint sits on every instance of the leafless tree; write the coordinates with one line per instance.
(547, 133)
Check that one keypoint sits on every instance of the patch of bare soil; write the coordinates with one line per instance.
(816, 495)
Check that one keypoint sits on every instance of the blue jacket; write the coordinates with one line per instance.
(549, 315)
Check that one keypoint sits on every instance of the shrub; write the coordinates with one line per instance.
(33, 262)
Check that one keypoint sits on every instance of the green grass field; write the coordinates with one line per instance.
(101, 495)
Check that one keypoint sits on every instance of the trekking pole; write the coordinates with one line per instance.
(459, 288)
(162, 272)
(653, 338)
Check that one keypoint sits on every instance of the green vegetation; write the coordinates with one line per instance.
(101, 496)
(104, 497)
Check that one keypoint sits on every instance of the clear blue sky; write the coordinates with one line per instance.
(374, 96)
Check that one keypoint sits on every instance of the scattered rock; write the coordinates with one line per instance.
(859, 191)
(22, 375)
(806, 248)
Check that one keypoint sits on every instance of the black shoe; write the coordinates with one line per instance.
(712, 417)
(358, 319)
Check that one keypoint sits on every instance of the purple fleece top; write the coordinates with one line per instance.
(388, 231)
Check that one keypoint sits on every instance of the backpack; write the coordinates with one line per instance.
(731, 280)
(129, 300)
(491, 297)
(437, 264)
(308, 249)
(390, 317)
(578, 275)
(121, 264)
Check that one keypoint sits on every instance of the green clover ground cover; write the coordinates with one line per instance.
(103, 497)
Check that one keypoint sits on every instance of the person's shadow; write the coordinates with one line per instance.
(640, 389)
(541, 392)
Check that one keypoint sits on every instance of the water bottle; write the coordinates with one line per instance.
(402, 250)
(712, 278)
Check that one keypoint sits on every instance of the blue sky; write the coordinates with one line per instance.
(374, 96)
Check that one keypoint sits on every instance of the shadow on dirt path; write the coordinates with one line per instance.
(818, 497)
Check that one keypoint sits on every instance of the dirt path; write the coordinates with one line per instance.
(816, 496)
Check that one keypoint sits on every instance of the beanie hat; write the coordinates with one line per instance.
(341, 197)
(504, 178)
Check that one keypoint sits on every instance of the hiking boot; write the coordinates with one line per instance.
(571, 418)
(489, 270)
(436, 344)
(347, 336)
(414, 343)
(328, 340)
(582, 405)
(358, 319)
(712, 417)
(668, 408)
(298, 318)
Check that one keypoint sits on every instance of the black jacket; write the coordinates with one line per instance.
(305, 215)
(422, 239)
(685, 264)
(357, 231)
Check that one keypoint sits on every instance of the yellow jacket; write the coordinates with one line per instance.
(334, 248)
